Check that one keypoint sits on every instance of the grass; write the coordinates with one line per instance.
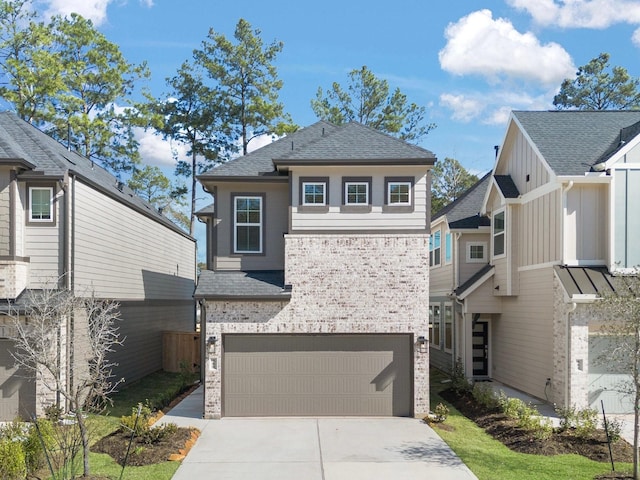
(155, 389)
(489, 459)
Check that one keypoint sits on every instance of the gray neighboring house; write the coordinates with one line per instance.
(64, 218)
(560, 201)
(315, 297)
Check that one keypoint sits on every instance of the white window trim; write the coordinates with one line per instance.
(324, 194)
(484, 252)
(235, 224)
(504, 233)
(41, 220)
(432, 252)
(346, 193)
(407, 203)
(437, 321)
(444, 327)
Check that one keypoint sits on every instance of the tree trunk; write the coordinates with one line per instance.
(193, 190)
(84, 435)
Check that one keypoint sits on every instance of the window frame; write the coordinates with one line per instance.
(448, 248)
(433, 323)
(447, 321)
(470, 259)
(403, 207)
(435, 249)
(356, 207)
(234, 233)
(302, 205)
(502, 233)
(52, 211)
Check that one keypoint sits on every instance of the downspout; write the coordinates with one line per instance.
(567, 374)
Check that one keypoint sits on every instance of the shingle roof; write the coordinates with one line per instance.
(507, 186)
(464, 212)
(20, 140)
(573, 141)
(242, 285)
(325, 143)
(475, 278)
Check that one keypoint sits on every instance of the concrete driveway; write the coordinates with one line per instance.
(314, 449)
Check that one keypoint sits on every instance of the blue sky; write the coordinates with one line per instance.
(469, 62)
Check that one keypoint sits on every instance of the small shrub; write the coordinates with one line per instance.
(441, 412)
(53, 413)
(138, 424)
(38, 434)
(613, 427)
(483, 394)
(586, 423)
(512, 407)
(459, 382)
(12, 460)
(567, 417)
(156, 434)
(528, 417)
(543, 430)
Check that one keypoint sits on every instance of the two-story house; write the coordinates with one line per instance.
(560, 204)
(66, 222)
(459, 255)
(316, 295)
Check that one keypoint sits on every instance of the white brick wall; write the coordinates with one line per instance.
(340, 284)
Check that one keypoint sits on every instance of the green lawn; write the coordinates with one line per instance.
(490, 459)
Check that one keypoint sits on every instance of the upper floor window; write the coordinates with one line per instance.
(434, 325)
(399, 193)
(447, 247)
(314, 193)
(248, 214)
(498, 225)
(356, 193)
(41, 204)
(434, 249)
(476, 252)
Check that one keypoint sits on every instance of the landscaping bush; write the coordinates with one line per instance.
(142, 427)
(12, 460)
(459, 382)
(483, 394)
(441, 412)
(584, 422)
(613, 427)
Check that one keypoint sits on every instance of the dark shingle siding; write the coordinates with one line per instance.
(507, 186)
(573, 141)
(230, 284)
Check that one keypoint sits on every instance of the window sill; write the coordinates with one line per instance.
(313, 208)
(397, 209)
(355, 208)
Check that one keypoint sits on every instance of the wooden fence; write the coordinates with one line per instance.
(180, 349)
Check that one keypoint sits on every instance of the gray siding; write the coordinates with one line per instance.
(540, 232)
(586, 224)
(141, 325)
(122, 254)
(275, 225)
(520, 160)
(5, 223)
(627, 220)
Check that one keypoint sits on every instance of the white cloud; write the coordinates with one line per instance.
(463, 107)
(156, 151)
(580, 13)
(478, 44)
(94, 10)
(635, 38)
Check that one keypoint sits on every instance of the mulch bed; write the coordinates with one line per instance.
(506, 431)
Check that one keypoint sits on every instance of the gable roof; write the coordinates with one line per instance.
(323, 143)
(43, 157)
(572, 141)
(464, 212)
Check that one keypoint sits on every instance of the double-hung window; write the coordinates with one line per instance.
(248, 219)
(476, 252)
(498, 233)
(448, 328)
(314, 193)
(41, 204)
(434, 325)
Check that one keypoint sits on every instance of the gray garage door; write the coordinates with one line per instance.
(310, 375)
(17, 392)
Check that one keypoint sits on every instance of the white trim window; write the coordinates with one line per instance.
(247, 224)
(448, 246)
(435, 249)
(356, 193)
(448, 327)
(476, 252)
(498, 226)
(434, 325)
(41, 204)
(314, 193)
(399, 193)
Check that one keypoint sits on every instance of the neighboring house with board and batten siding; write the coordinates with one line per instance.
(315, 297)
(560, 202)
(67, 222)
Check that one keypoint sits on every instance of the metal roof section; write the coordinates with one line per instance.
(585, 283)
(238, 285)
(573, 141)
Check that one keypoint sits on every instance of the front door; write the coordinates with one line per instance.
(481, 349)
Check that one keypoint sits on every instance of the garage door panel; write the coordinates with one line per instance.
(316, 375)
(17, 391)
